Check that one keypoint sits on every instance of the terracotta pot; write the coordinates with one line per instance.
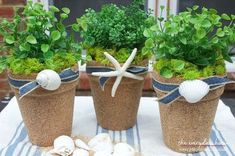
(119, 112)
(186, 127)
(47, 114)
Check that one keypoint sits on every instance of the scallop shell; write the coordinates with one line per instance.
(123, 149)
(193, 91)
(80, 152)
(63, 146)
(48, 79)
(101, 142)
(81, 144)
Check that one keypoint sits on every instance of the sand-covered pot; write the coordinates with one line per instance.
(186, 126)
(47, 114)
(119, 112)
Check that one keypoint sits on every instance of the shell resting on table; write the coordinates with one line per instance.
(48, 79)
(63, 146)
(194, 90)
(123, 149)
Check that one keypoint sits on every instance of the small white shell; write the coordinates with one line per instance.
(63, 146)
(80, 152)
(49, 79)
(193, 91)
(101, 142)
(81, 144)
(102, 153)
(123, 149)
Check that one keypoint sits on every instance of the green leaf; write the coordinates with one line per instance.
(225, 17)
(220, 32)
(24, 47)
(206, 24)
(149, 43)
(31, 39)
(195, 7)
(45, 48)
(201, 33)
(147, 33)
(55, 35)
(215, 40)
(66, 10)
(178, 65)
(75, 27)
(162, 7)
(48, 55)
(10, 40)
(183, 40)
(54, 9)
(166, 72)
(64, 16)
(233, 17)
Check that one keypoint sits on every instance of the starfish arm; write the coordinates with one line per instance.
(133, 76)
(112, 60)
(129, 60)
(115, 85)
(105, 74)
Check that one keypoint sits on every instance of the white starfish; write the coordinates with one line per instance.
(120, 71)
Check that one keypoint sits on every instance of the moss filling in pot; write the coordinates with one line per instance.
(34, 41)
(188, 47)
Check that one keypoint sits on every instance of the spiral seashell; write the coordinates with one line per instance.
(194, 90)
(81, 144)
(48, 79)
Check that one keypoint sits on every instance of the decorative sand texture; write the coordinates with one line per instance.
(186, 127)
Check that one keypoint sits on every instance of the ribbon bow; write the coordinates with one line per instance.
(173, 92)
(27, 86)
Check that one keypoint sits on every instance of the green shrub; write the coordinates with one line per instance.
(37, 40)
(195, 37)
(115, 29)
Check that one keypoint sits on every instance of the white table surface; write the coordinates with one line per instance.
(145, 136)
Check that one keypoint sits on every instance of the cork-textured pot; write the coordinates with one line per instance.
(186, 127)
(119, 112)
(47, 114)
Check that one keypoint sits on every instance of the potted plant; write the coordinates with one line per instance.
(41, 61)
(116, 30)
(189, 73)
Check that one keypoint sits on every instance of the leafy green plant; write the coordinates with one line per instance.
(37, 40)
(118, 28)
(194, 37)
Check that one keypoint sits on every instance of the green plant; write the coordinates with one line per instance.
(37, 40)
(118, 28)
(194, 37)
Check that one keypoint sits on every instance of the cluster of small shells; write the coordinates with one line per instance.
(100, 145)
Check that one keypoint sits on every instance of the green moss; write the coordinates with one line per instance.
(97, 54)
(189, 71)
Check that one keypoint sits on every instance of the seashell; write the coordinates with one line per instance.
(80, 152)
(48, 79)
(81, 144)
(193, 91)
(101, 142)
(103, 153)
(63, 146)
(123, 149)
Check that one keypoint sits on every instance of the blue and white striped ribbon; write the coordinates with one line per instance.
(27, 86)
(172, 90)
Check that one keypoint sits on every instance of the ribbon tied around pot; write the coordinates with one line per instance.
(47, 79)
(105, 73)
(192, 90)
